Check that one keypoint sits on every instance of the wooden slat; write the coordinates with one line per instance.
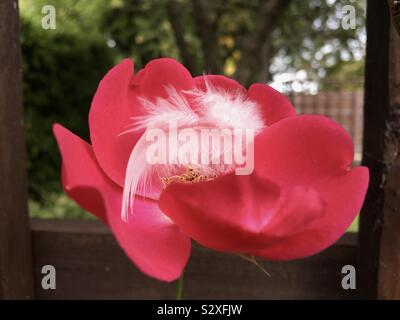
(376, 113)
(15, 254)
(343, 107)
(90, 265)
(389, 266)
(358, 117)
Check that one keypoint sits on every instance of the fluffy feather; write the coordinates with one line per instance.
(217, 109)
(226, 109)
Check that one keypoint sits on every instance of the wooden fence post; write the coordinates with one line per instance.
(376, 115)
(380, 219)
(15, 246)
(389, 264)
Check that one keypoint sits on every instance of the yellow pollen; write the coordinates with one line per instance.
(190, 176)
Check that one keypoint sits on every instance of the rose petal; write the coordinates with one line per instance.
(225, 214)
(116, 102)
(240, 213)
(160, 73)
(149, 238)
(275, 106)
(303, 150)
(344, 196)
(299, 200)
(221, 82)
(82, 178)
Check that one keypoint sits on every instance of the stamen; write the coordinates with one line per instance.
(190, 176)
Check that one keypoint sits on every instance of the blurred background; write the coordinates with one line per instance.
(299, 47)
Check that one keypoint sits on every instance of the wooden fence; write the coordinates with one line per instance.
(344, 107)
(89, 263)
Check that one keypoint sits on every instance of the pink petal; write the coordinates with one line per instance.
(344, 196)
(159, 73)
(303, 150)
(149, 238)
(240, 213)
(221, 82)
(275, 106)
(116, 101)
(82, 178)
(315, 152)
(224, 214)
(299, 200)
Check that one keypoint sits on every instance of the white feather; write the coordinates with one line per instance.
(160, 112)
(228, 109)
(217, 109)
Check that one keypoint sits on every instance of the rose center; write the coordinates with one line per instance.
(190, 176)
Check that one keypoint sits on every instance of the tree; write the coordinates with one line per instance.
(240, 38)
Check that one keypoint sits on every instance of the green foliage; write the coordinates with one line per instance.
(141, 30)
(57, 206)
(60, 74)
(354, 226)
(345, 76)
(249, 40)
(80, 18)
(311, 36)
